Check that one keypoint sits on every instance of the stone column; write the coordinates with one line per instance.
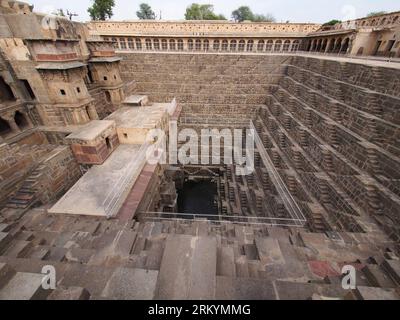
(11, 121)
(28, 118)
(328, 44)
(93, 113)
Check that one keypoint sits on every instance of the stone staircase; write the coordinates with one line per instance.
(25, 196)
(173, 259)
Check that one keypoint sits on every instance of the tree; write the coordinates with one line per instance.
(101, 9)
(145, 12)
(332, 22)
(202, 12)
(264, 18)
(243, 13)
(377, 13)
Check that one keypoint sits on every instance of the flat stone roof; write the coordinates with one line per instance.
(103, 189)
(138, 117)
(105, 59)
(60, 65)
(91, 130)
(134, 99)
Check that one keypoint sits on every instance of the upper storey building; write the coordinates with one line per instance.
(203, 35)
(372, 36)
(49, 67)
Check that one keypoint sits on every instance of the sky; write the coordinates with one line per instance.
(319, 11)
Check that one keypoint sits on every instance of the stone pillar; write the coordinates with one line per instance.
(328, 44)
(28, 119)
(92, 113)
(11, 121)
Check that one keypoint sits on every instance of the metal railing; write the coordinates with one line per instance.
(218, 219)
(288, 201)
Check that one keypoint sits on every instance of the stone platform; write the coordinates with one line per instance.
(98, 192)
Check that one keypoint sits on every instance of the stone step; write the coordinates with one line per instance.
(5, 239)
(70, 293)
(131, 284)
(4, 227)
(269, 251)
(6, 273)
(242, 267)
(229, 288)
(93, 278)
(371, 293)
(290, 290)
(392, 267)
(18, 249)
(188, 268)
(24, 286)
(377, 277)
(226, 261)
(155, 253)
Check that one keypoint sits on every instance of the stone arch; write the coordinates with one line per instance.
(260, 45)
(115, 43)
(241, 45)
(6, 94)
(324, 44)
(156, 44)
(148, 44)
(295, 45)
(190, 44)
(250, 45)
(122, 43)
(232, 46)
(108, 96)
(286, 45)
(180, 45)
(130, 43)
(224, 45)
(278, 45)
(332, 45)
(138, 42)
(5, 128)
(269, 45)
(216, 45)
(338, 45)
(164, 44)
(172, 44)
(206, 45)
(20, 120)
(198, 45)
(345, 45)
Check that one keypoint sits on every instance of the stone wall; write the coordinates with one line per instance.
(330, 128)
(58, 172)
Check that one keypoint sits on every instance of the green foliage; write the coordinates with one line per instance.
(101, 9)
(377, 13)
(202, 12)
(264, 18)
(332, 22)
(244, 13)
(145, 12)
